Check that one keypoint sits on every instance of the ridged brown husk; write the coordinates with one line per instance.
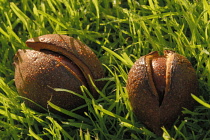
(58, 61)
(181, 82)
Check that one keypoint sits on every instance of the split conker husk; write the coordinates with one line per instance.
(57, 61)
(159, 87)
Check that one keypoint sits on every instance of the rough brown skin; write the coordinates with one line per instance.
(73, 49)
(159, 75)
(58, 61)
(157, 109)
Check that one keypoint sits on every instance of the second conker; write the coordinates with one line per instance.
(159, 87)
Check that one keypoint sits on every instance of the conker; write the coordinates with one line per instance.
(159, 87)
(57, 61)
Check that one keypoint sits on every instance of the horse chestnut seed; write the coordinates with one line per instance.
(159, 87)
(57, 61)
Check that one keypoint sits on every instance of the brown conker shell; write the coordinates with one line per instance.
(159, 87)
(58, 61)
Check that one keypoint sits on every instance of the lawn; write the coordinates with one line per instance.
(119, 32)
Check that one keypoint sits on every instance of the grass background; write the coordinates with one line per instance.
(119, 32)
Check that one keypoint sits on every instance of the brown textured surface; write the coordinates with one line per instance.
(72, 48)
(36, 73)
(159, 75)
(181, 82)
(58, 61)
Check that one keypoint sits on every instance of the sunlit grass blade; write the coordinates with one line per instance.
(200, 101)
(69, 113)
(53, 19)
(59, 128)
(13, 116)
(111, 113)
(34, 135)
(118, 56)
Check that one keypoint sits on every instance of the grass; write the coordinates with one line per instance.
(119, 32)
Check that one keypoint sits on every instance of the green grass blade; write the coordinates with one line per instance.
(34, 135)
(69, 113)
(200, 101)
(118, 56)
